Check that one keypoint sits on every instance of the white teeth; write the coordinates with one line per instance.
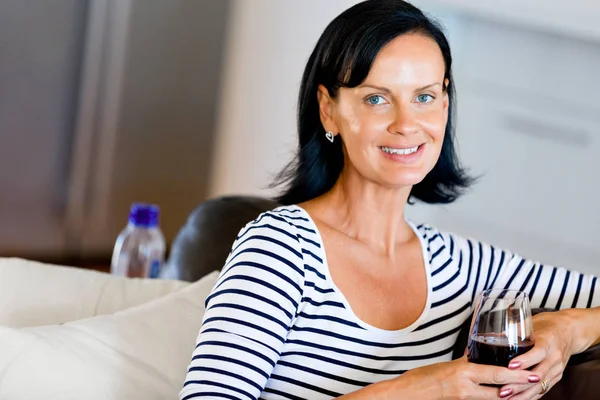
(390, 150)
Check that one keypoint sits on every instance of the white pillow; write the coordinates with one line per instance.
(139, 353)
(33, 293)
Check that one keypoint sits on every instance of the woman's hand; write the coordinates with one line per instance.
(459, 380)
(557, 335)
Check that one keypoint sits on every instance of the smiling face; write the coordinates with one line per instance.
(392, 125)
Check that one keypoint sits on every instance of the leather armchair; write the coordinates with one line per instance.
(204, 242)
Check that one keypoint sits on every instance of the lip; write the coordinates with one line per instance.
(404, 158)
(402, 147)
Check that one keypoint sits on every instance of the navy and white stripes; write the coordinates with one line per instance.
(276, 327)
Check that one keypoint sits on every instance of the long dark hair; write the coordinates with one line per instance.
(342, 58)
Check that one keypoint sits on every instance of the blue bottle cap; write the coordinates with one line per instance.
(144, 215)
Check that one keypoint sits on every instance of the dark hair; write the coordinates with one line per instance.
(343, 57)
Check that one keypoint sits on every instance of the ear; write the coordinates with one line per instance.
(446, 103)
(327, 110)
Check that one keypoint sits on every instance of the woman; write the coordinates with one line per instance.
(335, 293)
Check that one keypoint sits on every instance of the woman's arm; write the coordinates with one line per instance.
(557, 335)
(248, 314)
(548, 286)
(454, 380)
(585, 326)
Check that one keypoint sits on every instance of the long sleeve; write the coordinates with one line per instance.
(249, 313)
(548, 286)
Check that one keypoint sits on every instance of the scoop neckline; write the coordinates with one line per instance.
(356, 319)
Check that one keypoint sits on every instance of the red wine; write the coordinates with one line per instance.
(495, 350)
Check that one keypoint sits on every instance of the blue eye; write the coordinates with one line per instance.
(424, 98)
(375, 100)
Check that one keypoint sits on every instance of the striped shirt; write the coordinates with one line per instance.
(277, 327)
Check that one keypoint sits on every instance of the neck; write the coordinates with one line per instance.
(368, 212)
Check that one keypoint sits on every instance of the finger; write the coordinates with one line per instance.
(547, 370)
(517, 388)
(535, 392)
(488, 393)
(538, 373)
(530, 387)
(492, 375)
(532, 393)
(543, 370)
(536, 355)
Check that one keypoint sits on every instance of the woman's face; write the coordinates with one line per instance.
(392, 125)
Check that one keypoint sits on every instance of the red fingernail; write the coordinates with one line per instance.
(533, 378)
(506, 392)
(514, 365)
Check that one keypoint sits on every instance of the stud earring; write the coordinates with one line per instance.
(329, 136)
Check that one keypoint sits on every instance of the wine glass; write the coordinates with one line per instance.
(501, 328)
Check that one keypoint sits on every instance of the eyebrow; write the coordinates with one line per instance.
(386, 90)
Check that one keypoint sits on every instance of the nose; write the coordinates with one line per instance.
(404, 121)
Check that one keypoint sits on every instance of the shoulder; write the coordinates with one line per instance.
(456, 243)
(432, 234)
(435, 238)
(269, 247)
(281, 221)
(277, 230)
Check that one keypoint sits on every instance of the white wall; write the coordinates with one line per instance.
(269, 44)
(577, 18)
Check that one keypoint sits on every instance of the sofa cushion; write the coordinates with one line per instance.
(33, 293)
(138, 353)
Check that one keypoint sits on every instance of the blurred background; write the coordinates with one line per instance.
(108, 102)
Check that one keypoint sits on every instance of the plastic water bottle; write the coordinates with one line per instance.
(140, 248)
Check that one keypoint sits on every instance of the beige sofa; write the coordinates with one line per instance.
(68, 333)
